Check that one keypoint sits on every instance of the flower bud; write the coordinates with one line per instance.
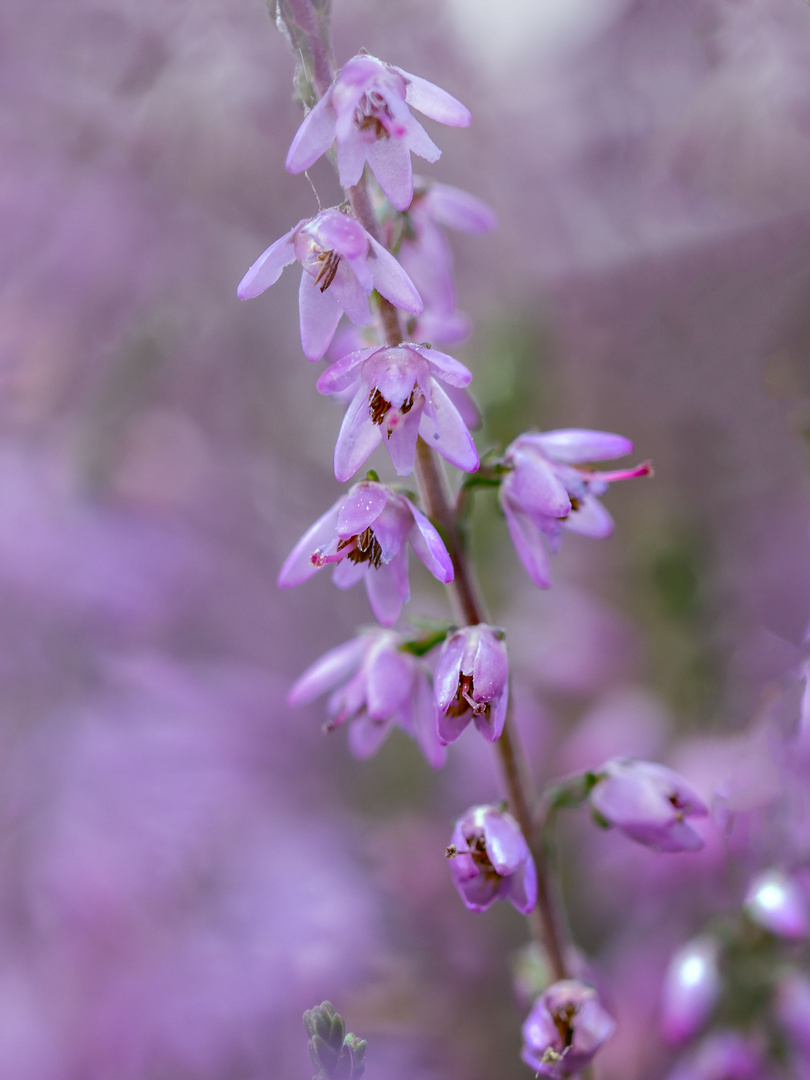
(691, 988)
(490, 860)
(564, 1030)
(776, 902)
(649, 803)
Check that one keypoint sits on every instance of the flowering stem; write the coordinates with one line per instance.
(469, 609)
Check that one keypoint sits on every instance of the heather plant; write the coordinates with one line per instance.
(404, 394)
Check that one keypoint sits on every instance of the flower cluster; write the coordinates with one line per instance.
(381, 258)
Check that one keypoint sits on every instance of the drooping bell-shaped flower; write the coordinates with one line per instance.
(691, 989)
(490, 860)
(366, 113)
(365, 533)
(399, 396)
(549, 486)
(375, 686)
(418, 238)
(649, 803)
(564, 1030)
(471, 682)
(776, 902)
(342, 265)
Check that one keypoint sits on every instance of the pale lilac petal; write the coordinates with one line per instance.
(591, 519)
(528, 545)
(506, 846)
(490, 669)
(534, 485)
(402, 442)
(423, 725)
(429, 547)
(391, 281)
(351, 159)
(390, 681)
(314, 137)
(347, 573)
(467, 408)
(268, 267)
(360, 508)
(390, 161)
(445, 432)
(457, 209)
(420, 143)
(523, 887)
(392, 526)
(299, 566)
(447, 671)
(432, 101)
(450, 728)
(579, 444)
(387, 589)
(319, 316)
(343, 373)
(333, 668)
(366, 736)
(357, 439)
(446, 328)
(351, 289)
(491, 726)
(445, 367)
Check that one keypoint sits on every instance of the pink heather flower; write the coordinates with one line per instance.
(471, 682)
(365, 112)
(692, 986)
(375, 687)
(649, 803)
(564, 1030)
(548, 488)
(342, 265)
(776, 902)
(365, 535)
(490, 860)
(425, 254)
(399, 395)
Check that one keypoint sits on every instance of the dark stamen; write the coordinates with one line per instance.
(329, 260)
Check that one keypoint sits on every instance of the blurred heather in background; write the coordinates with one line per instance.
(186, 864)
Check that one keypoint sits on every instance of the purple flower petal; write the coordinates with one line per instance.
(387, 588)
(402, 443)
(390, 681)
(332, 668)
(366, 736)
(446, 433)
(299, 564)
(577, 445)
(429, 547)
(360, 508)
(446, 367)
(529, 546)
(313, 138)
(319, 317)
(343, 373)
(447, 671)
(391, 281)
(268, 267)
(505, 843)
(590, 519)
(457, 209)
(357, 439)
(390, 161)
(434, 102)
